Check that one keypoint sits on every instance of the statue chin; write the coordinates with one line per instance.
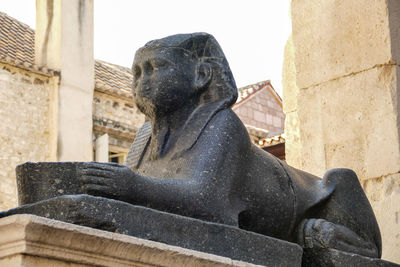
(145, 106)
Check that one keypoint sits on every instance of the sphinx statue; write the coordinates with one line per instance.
(194, 157)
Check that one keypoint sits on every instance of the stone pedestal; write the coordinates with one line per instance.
(120, 217)
(28, 240)
(151, 238)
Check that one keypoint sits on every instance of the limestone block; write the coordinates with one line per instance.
(338, 38)
(384, 196)
(75, 124)
(290, 89)
(352, 122)
(35, 241)
(387, 212)
(292, 141)
(311, 132)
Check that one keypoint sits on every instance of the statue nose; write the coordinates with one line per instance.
(143, 85)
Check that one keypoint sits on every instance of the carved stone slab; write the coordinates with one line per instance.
(121, 217)
(29, 240)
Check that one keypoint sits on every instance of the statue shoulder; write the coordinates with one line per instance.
(226, 125)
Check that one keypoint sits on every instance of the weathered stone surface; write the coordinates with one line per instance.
(346, 58)
(293, 149)
(28, 131)
(337, 38)
(116, 109)
(65, 43)
(346, 127)
(387, 210)
(121, 217)
(289, 78)
(28, 240)
(44, 180)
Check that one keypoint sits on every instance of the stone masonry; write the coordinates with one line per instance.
(342, 91)
(27, 128)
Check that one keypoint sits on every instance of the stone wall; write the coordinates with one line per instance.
(118, 117)
(342, 87)
(27, 131)
(117, 109)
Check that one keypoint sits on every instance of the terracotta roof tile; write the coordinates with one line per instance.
(272, 141)
(114, 79)
(249, 90)
(17, 40)
(246, 91)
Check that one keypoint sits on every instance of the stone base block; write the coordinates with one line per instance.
(149, 238)
(171, 229)
(28, 240)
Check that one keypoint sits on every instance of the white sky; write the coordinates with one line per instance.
(252, 33)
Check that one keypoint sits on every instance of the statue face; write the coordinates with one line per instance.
(163, 80)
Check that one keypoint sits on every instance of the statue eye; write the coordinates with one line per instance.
(159, 63)
(137, 72)
(148, 68)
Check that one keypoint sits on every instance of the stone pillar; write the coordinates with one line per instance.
(346, 65)
(101, 144)
(64, 41)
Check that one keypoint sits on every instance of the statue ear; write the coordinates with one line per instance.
(203, 75)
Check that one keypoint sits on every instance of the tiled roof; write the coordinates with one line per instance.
(27, 66)
(272, 141)
(247, 91)
(260, 133)
(17, 40)
(17, 45)
(113, 79)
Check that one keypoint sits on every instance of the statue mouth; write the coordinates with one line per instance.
(145, 104)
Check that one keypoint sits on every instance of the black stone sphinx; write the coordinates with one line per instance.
(194, 160)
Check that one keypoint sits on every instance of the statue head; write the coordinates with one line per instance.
(180, 69)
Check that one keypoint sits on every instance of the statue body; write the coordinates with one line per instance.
(200, 162)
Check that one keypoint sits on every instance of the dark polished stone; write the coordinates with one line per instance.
(319, 257)
(43, 180)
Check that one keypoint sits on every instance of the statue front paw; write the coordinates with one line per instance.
(324, 234)
(108, 180)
